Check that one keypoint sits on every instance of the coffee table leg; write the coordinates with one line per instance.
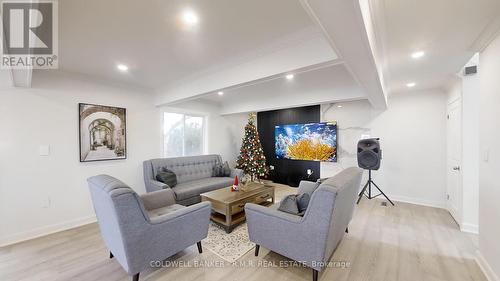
(229, 219)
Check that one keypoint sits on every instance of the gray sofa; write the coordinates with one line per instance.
(313, 238)
(194, 176)
(142, 229)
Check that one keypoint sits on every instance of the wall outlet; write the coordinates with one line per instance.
(46, 203)
(486, 155)
(44, 150)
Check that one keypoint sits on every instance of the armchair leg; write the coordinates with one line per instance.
(200, 250)
(110, 255)
(135, 277)
(315, 275)
(257, 248)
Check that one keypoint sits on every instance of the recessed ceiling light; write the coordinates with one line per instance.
(339, 106)
(417, 55)
(190, 17)
(289, 76)
(122, 67)
(220, 93)
(411, 84)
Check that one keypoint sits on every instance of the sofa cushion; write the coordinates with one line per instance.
(164, 210)
(167, 177)
(196, 187)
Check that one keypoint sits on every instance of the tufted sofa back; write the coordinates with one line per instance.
(185, 168)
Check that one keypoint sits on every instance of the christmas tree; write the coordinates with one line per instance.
(251, 159)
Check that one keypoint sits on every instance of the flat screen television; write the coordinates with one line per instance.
(313, 141)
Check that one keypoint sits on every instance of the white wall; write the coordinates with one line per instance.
(470, 150)
(41, 194)
(236, 126)
(223, 134)
(454, 90)
(413, 140)
(489, 164)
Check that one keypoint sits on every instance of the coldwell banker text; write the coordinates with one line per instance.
(29, 35)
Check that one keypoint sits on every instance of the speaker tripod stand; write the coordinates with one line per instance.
(369, 186)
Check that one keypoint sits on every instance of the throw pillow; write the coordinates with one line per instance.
(221, 170)
(226, 171)
(217, 170)
(303, 202)
(167, 177)
(289, 205)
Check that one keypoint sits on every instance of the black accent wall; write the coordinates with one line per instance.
(287, 171)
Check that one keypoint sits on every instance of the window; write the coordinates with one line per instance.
(183, 135)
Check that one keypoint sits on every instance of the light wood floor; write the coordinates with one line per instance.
(406, 243)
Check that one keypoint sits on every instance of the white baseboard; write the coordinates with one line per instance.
(485, 267)
(469, 228)
(416, 201)
(44, 230)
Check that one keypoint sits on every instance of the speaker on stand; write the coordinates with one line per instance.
(369, 157)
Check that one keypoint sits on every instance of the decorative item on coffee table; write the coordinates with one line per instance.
(251, 159)
(244, 182)
(235, 186)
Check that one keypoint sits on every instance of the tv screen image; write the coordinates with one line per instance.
(313, 141)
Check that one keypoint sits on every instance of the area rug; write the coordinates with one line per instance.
(229, 247)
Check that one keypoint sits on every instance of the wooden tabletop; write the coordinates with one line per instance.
(227, 196)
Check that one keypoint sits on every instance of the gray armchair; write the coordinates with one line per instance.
(140, 229)
(313, 238)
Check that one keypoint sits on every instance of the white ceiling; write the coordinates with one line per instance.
(149, 37)
(323, 85)
(308, 49)
(339, 49)
(448, 31)
(338, 37)
(237, 43)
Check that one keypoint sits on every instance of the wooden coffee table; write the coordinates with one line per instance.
(228, 207)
